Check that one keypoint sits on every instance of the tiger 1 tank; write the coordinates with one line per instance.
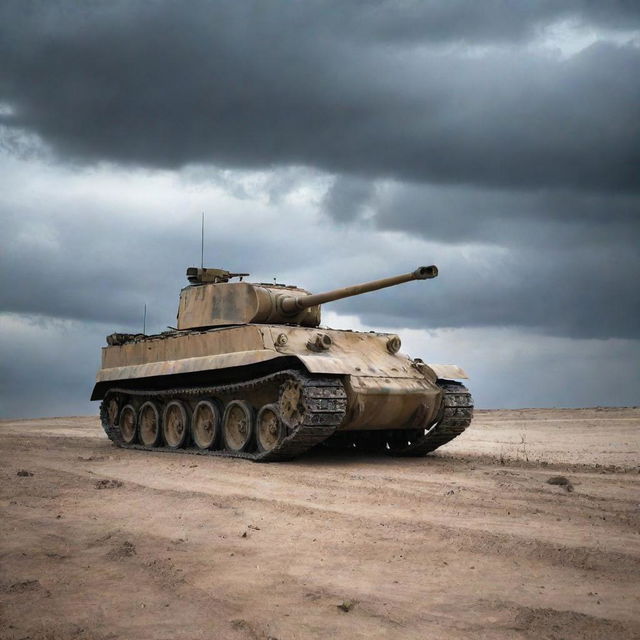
(249, 372)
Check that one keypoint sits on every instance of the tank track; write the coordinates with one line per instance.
(454, 417)
(323, 398)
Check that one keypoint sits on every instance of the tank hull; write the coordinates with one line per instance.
(384, 390)
(345, 381)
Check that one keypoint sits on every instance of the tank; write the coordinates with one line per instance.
(249, 372)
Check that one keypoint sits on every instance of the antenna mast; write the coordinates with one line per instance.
(144, 320)
(202, 244)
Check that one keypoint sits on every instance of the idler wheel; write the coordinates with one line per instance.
(237, 425)
(205, 425)
(149, 424)
(128, 424)
(291, 404)
(175, 424)
(269, 428)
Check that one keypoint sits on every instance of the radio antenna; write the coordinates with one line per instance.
(144, 320)
(202, 244)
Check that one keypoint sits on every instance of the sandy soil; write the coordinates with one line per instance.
(470, 543)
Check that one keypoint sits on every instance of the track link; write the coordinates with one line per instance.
(323, 398)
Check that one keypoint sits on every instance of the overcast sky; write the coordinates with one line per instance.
(329, 143)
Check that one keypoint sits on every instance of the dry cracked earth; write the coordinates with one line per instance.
(472, 542)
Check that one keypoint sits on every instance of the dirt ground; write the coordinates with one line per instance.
(473, 542)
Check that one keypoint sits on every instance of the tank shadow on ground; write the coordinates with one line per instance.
(319, 456)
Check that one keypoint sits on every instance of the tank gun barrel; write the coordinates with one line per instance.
(291, 305)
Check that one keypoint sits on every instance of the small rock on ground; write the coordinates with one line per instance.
(346, 605)
(561, 481)
(108, 484)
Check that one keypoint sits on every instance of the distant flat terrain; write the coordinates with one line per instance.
(472, 542)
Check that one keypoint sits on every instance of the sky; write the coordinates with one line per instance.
(328, 143)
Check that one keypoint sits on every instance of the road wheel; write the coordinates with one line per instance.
(205, 425)
(149, 424)
(269, 428)
(128, 424)
(237, 425)
(175, 424)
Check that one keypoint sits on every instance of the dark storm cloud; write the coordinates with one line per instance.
(345, 87)
(87, 276)
(546, 217)
(522, 151)
(577, 292)
(560, 262)
(468, 21)
(565, 262)
(101, 266)
(546, 276)
(48, 367)
(347, 197)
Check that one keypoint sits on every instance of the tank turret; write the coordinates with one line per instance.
(211, 300)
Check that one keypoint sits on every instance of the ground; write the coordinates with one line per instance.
(472, 542)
